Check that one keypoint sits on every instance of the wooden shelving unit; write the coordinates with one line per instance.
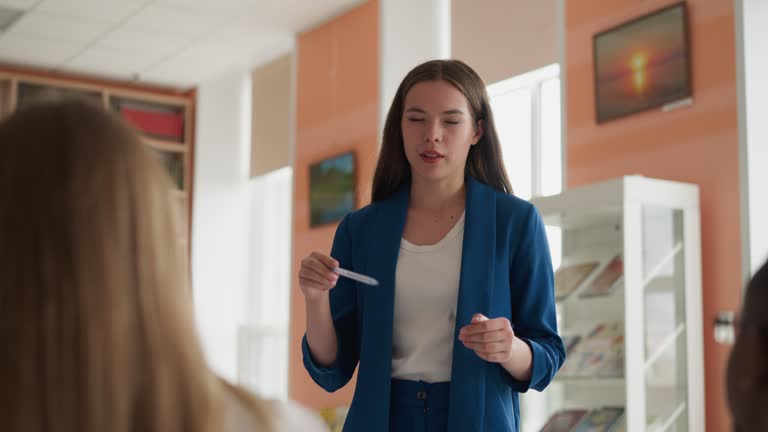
(165, 118)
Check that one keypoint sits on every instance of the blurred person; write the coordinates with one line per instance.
(464, 317)
(96, 320)
(748, 365)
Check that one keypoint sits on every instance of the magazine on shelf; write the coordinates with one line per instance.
(600, 420)
(653, 424)
(569, 277)
(570, 342)
(613, 366)
(599, 353)
(563, 421)
(607, 280)
(620, 425)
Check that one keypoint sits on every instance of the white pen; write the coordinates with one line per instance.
(356, 276)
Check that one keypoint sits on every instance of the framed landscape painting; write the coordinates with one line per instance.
(331, 189)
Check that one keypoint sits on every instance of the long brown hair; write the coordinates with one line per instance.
(96, 319)
(484, 161)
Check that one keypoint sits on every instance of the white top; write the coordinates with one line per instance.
(426, 293)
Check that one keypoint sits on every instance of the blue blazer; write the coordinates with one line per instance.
(505, 272)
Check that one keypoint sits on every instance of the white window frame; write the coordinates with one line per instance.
(533, 81)
(263, 341)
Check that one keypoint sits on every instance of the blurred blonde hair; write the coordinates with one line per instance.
(96, 319)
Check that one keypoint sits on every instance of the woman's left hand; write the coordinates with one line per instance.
(490, 339)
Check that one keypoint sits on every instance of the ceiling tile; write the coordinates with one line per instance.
(243, 37)
(110, 11)
(185, 72)
(172, 42)
(42, 25)
(36, 51)
(191, 61)
(207, 59)
(19, 4)
(131, 39)
(183, 79)
(110, 62)
(220, 6)
(176, 21)
(8, 16)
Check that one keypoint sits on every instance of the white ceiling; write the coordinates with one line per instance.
(172, 42)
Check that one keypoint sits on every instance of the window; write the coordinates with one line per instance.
(263, 341)
(526, 110)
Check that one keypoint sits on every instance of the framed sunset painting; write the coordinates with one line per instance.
(642, 64)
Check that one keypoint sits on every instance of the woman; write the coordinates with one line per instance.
(95, 320)
(464, 317)
(748, 365)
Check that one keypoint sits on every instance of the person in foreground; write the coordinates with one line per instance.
(464, 316)
(95, 317)
(748, 364)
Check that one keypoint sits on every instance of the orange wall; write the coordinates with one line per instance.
(337, 111)
(698, 144)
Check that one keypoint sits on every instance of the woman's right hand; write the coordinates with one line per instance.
(316, 276)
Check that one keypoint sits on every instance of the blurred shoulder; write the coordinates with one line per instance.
(251, 414)
(290, 416)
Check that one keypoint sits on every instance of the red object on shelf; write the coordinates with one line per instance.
(164, 124)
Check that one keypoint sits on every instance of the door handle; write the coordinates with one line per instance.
(725, 327)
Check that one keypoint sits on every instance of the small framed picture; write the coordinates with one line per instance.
(331, 189)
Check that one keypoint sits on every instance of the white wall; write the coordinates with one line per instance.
(265, 340)
(410, 32)
(752, 33)
(220, 226)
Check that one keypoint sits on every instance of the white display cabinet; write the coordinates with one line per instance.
(627, 259)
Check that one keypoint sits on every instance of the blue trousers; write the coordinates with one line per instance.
(417, 406)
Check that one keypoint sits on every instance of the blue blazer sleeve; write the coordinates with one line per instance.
(533, 304)
(343, 301)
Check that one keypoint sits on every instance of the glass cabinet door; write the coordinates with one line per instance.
(626, 257)
(663, 260)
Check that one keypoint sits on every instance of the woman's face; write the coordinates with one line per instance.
(748, 365)
(438, 130)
